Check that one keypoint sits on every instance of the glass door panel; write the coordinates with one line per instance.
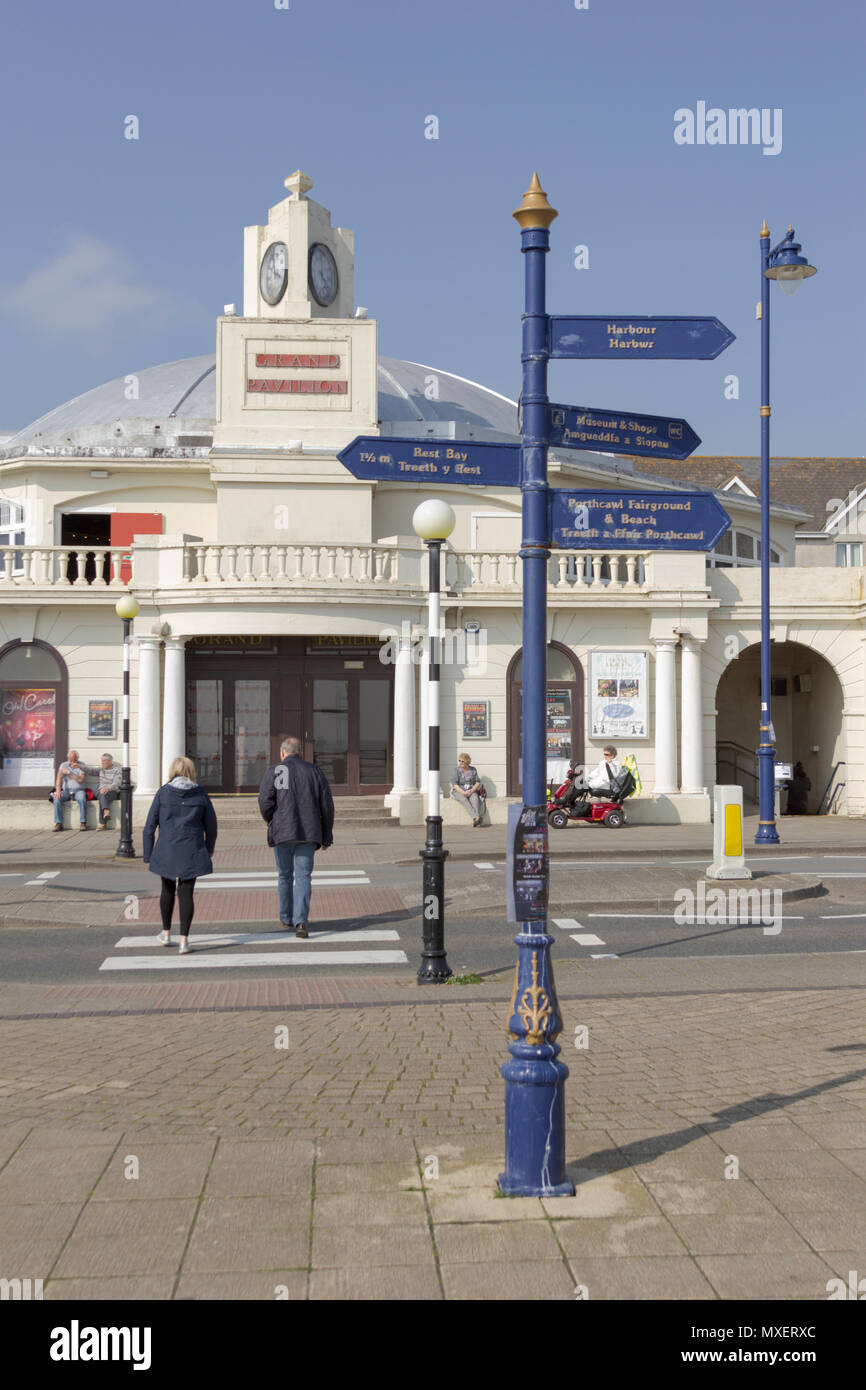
(252, 731)
(204, 730)
(374, 719)
(331, 729)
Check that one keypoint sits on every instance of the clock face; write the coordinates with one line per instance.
(324, 280)
(274, 273)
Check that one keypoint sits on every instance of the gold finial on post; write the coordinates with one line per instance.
(535, 210)
(765, 231)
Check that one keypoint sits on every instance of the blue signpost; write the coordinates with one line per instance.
(534, 1073)
(619, 336)
(785, 264)
(461, 461)
(636, 520)
(621, 432)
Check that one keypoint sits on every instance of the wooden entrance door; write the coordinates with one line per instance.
(229, 736)
(347, 724)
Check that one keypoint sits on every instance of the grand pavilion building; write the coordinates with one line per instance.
(280, 594)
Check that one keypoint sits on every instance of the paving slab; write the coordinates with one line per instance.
(419, 1283)
(274, 1285)
(123, 1290)
(641, 1277)
(796, 1275)
(371, 1246)
(138, 1253)
(220, 1249)
(526, 1280)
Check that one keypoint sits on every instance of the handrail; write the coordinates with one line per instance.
(743, 771)
(819, 812)
(741, 747)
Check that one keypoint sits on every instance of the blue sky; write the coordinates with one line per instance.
(119, 254)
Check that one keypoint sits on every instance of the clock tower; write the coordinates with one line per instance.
(298, 266)
(297, 373)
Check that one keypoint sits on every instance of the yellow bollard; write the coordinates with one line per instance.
(728, 858)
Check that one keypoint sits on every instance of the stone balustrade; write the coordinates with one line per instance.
(65, 567)
(312, 565)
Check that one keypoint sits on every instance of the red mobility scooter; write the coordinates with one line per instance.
(574, 800)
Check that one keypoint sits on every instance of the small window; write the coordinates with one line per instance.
(778, 686)
(745, 546)
(849, 553)
(723, 547)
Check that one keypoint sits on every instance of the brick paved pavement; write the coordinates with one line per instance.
(260, 905)
(311, 1167)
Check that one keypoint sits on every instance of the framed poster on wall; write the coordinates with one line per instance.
(100, 719)
(618, 695)
(476, 718)
(27, 730)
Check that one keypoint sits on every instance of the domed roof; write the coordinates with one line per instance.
(176, 403)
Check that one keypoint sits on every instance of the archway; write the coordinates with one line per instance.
(564, 711)
(806, 709)
(34, 698)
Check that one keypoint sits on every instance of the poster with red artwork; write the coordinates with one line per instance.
(26, 737)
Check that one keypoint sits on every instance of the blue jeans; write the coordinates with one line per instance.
(68, 796)
(294, 867)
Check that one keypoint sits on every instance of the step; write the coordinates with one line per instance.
(349, 810)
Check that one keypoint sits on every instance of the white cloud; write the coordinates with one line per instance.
(83, 290)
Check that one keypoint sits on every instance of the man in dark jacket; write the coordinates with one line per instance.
(296, 802)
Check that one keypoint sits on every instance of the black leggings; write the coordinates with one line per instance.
(184, 888)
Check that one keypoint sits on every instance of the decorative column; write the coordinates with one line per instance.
(147, 772)
(404, 720)
(692, 706)
(666, 716)
(173, 703)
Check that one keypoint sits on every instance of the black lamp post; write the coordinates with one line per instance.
(433, 522)
(127, 609)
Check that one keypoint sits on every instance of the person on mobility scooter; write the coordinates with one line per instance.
(598, 797)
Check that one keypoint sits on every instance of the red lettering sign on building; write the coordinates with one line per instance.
(290, 386)
(296, 360)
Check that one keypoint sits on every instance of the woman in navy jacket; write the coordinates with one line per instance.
(187, 823)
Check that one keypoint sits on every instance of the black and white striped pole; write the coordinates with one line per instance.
(127, 609)
(433, 522)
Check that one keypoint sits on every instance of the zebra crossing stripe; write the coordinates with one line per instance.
(255, 960)
(272, 873)
(321, 879)
(271, 938)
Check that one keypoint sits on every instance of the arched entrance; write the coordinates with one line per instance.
(33, 716)
(564, 711)
(806, 709)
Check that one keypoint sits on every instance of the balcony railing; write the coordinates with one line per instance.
(495, 570)
(290, 564)
(65, 566)
(171, 563)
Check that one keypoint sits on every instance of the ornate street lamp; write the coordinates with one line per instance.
(433, 522)
(534, 1074)
(785, 264)
(127, 609)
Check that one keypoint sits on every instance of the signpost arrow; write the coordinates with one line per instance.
(433, 461)
(636, 520)
(617, 335)
(652, 436)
